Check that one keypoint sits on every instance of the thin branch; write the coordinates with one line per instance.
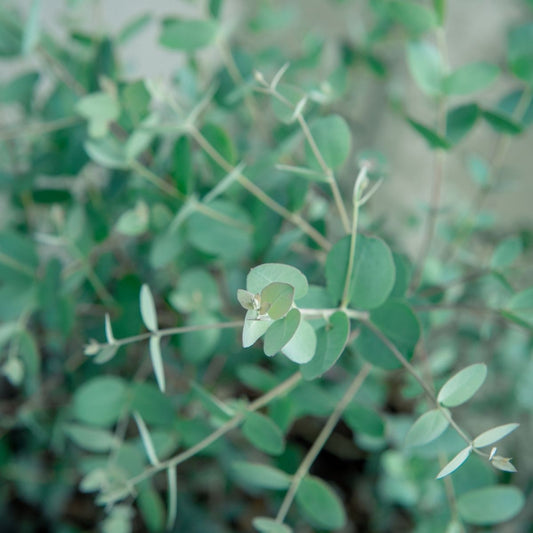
(276, 392)
(321, 440)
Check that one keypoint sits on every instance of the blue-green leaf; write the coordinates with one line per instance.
(463, 385)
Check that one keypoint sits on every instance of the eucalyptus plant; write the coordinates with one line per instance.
(210, 240)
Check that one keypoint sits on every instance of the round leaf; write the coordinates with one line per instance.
(331, 340)
(279, 298)
(398, 323)
(100, 401)
(253, 328)
(320, 504)
(373, 271)
(461, 387)
(281, 332)
(261, 276)
(302, 346)
(425, 65)
(490, 505)
(333, 139)
(263, 433)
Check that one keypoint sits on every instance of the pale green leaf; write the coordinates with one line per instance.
(263, 433)
(463, 385)
(493, 435)
(269, 525)
(425, 65)
(148, 311)
(253, 328)
(490, 505)
(455, 463)
(319, 503)
(281, 332)
(146, 439)
(157, 361)
(279, 298)
(260, 475)
(427, 427)
(302, 346)
(261, 276)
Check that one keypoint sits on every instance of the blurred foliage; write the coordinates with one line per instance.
(110, 185)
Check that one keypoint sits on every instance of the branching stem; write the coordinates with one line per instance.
(321, 440)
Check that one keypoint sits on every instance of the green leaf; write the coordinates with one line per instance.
(284, 109)
(333, 139)
(470, 78)
(100, 401)
(197, 290)
(269, 525)
(373, 271)
(187, 35)
(281, 332)
(90, 438)
(493, 435)
(151, 508)
(506, 253)
(212, 404)
(279, 298)
(427, 427)
(520, 308)
(226, 234)
(146, 439)
(331, 340)
(135, 221)
(399, 324)
(426, 66)
(320, 504)
(131, 29)
(463, 385)
(440, 10)
(455, 463)
(361, 419)
(32, 29)
(253, 328)
(460, 120)
(501, 123)
(157, 361)
(107, 152)
(415, 17)
(302, 346)
(154, 407)
(260, 475)
(490, 505)
(520, 52)
(261, 276)
(100, 109)
(264, 434)
(433, 139)
(148, 311)
(404, 271)
(197, 346)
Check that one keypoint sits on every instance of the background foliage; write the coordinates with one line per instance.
(134, 208)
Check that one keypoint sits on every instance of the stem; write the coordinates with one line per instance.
(328, 172)
(154, 179)
(427, 389)
(251, 187)
(169, 331)
(311, 313)
(320, 441)
(277, 391)
(31, 130)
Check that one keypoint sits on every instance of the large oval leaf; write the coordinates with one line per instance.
(263, 433)
(373, 271)
(399, 325)
(260, 475)
(331, 340)
(281, 332)
(320, 504)
(490, 505)
(261, 276)
(333, 139)
(301, 348)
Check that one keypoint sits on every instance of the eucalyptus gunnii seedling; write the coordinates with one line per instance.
(280, 337)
